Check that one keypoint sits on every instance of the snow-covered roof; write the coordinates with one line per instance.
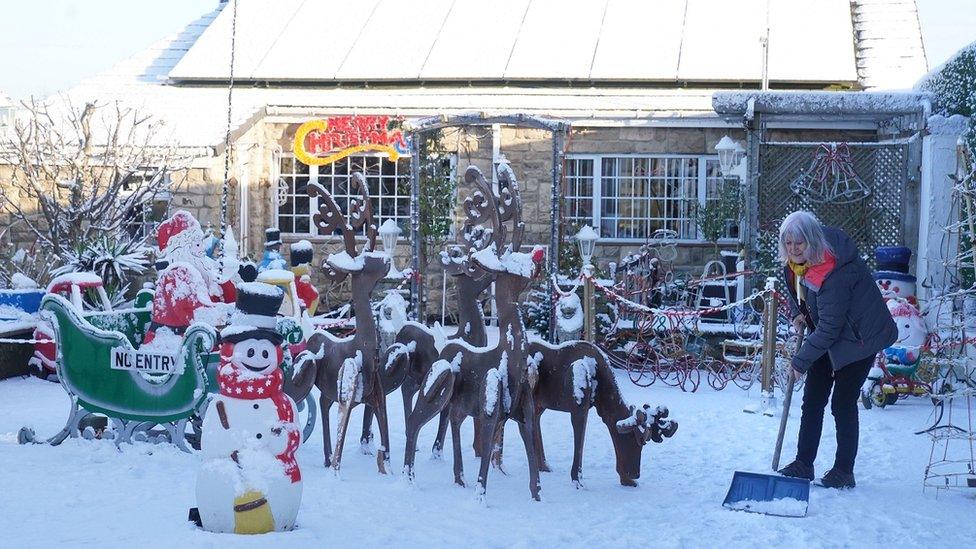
(890, 54)
(464, 40)
(820, 103)
(454, 57)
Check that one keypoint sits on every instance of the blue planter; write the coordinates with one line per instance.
(893, 254)
(28, 301)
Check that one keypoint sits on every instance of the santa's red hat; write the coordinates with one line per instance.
(176, 224)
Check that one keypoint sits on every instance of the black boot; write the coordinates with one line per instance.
(798, 469)
(835, 478)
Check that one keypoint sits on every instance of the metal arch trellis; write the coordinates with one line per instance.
(877, 219)
(559, 130)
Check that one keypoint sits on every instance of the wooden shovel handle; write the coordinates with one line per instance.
(787, 399)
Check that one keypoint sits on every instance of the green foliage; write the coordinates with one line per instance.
(438, 191)
(716, 216)
(954, 87)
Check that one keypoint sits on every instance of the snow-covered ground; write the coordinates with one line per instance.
(87, 493)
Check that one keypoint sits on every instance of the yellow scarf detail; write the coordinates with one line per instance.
(798, 271)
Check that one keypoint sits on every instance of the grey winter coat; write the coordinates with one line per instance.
(850, 319)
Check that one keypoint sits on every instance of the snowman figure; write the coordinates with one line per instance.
(911, 333)
(250, 482)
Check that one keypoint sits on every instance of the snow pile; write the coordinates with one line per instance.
(493, 383)
(397, 350)
(166, 341)
(83, 280)
(21, 282)
(517, 263)
(393, 312)
(218, 315)
(350, 382)
(584, 377)
(782, 507)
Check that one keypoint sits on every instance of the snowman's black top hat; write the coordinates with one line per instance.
(301, 253)
(272, 238)
(257, 314)
(248, 271)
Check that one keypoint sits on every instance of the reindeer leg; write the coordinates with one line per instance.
(366, 438)
(382, 453)
(527, 430)
(347, 401)
(498, 446)
(578, 419)
(477, 443)
(456, 420)
(489, 427)
(540, 450)
(438, 448)
(428, 405)
(325, 403)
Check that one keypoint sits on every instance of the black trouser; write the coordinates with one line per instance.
(846, 384)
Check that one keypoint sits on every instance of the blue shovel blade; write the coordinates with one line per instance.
(768, 494)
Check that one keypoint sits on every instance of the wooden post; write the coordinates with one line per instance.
(589, 324)
(769, 337)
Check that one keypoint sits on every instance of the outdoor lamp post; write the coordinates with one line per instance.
(389, 232)
(586, 239)
(730, 155)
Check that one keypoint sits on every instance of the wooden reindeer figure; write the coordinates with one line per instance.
(423, 345)
(488, 384)
(575, 376)
(348, 370)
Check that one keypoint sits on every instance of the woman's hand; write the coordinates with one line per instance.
(799, 323)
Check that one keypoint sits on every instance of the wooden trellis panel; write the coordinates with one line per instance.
(876, 220)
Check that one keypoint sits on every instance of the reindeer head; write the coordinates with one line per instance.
(369, 265)
(644, 424)
(495, 251)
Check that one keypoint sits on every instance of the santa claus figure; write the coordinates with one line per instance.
(181, 297)
(301, 260)
(250, 482)
(181, 239)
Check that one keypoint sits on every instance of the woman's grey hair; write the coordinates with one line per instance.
(804, 226)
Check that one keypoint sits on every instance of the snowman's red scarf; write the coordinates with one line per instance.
(253, 388)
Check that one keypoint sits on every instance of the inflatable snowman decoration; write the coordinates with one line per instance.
(250, 482)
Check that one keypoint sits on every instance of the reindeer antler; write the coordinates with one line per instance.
(361, 212)
(510, 203)
(330, 218)
(481, 207)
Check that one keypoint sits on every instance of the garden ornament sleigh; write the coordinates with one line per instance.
(136, 403)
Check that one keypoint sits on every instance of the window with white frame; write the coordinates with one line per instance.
(388, 182)
(142, 218)
(631, 196)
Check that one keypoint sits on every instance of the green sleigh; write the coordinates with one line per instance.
(140, 406)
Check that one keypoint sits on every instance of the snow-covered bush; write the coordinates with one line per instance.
(82, 180)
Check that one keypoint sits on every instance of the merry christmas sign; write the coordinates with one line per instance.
(321, 142)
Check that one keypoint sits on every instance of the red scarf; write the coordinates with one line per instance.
(259, 387)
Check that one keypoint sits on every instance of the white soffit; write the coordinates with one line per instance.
(557, 40)
(640, 40)
(476, 40)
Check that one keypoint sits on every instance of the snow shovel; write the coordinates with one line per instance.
(771, 494)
